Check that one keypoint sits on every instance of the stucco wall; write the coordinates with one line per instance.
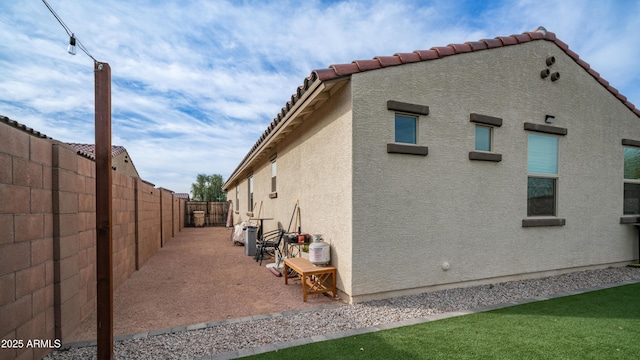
(313, 166)
(122, 163)
(412, 213)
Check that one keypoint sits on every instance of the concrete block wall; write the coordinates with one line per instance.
(86, 190)
(166, 204)
(26, 242)
(66, 240)
(123, 229)
(147, 221)
(47, 237)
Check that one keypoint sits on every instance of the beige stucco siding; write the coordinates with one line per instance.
(412, 213)
(122, 163)
(314, 167)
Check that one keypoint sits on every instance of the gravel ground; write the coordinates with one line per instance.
(246, 333)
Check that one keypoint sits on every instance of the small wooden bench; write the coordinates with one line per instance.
(315, 279)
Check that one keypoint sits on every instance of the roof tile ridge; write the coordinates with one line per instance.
(325, 74)
(386, 61)
(408, 57)
(461, 48)
(507, 40)
(444, 50)
(365, 65)
(345, 69)
(427, 54)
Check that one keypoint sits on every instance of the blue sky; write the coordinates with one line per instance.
(195, 83)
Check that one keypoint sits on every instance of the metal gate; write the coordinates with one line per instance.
(215, 213)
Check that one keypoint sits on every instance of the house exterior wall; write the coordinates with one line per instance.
(47, 237)
(413, 213)
(122, 163)
(314, 167)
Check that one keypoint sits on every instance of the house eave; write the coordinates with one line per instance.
(314, 96)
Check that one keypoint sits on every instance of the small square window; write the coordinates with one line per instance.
(483, 138)
(406, 129)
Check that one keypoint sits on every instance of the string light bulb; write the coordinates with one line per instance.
(72, 45)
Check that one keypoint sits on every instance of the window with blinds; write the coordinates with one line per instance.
(631, 205)
(542, 166)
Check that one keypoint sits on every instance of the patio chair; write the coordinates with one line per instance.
(269, 243)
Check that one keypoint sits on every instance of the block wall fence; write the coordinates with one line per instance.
(48, 236)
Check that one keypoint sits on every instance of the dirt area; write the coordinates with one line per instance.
(198, 276)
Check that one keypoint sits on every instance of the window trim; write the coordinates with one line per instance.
(491, 122)
(274, 193)
(404, 148)
(411, 110)
(485, 119)
(475, 132)
(629, 218)
(545, 220)
(237, 211)
(546, 129)
(250, 193)
(415, 125)
(407, 107)
(555, 194)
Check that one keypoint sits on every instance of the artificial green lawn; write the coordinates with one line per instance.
(603, 324)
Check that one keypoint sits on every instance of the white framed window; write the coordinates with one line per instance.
(406, 128)
(631, 205)
(542, 168)
(274, 171)
(484, 138)
(237, 198)
(250, 192)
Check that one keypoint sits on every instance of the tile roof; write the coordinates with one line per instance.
(182, 196)
(89, 150)
(22, 127)
(339, 71)
(357, 66)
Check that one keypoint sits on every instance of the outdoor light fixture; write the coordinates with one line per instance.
(549, 119)
(72, 45)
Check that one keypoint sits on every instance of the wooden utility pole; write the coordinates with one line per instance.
(104, 259)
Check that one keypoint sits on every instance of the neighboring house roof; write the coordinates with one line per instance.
(89, 150)
(125, 166)
(344, 71)
(182, 196)
(22, 127)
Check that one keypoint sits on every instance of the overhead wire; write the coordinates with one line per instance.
(69, 32)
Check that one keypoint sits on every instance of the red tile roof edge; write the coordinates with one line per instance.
(338, 71)
(89, 150)
(23, 127)
(341, 70)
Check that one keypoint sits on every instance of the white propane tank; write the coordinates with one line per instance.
(319, 251)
